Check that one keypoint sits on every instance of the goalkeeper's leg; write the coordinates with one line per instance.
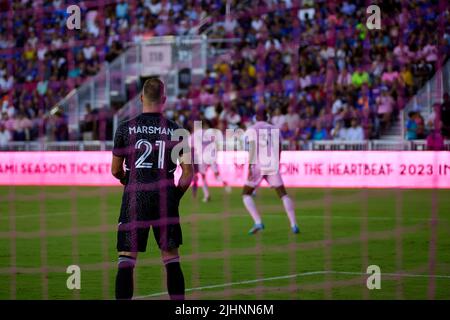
(175, 278)
(124, 278)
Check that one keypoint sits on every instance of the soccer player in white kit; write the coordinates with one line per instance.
(257, 172)
(202, 167)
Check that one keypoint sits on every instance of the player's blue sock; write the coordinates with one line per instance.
(175, 279)
(257, 227)
(124, 278)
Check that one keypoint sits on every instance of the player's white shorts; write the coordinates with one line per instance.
(202, 168)
(274, 180)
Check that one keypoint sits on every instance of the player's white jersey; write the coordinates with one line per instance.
(197, 143)
(266, 138)
(205, 151)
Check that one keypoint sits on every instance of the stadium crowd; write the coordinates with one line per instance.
(42, 60)
(344, 83)
(316, 69)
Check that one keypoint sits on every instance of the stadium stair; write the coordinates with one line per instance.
(430, 93)
(394, 133)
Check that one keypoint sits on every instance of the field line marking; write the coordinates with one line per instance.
(381, 218)
(229, 284)
(51, 214)
(406, 275)
(304, 217)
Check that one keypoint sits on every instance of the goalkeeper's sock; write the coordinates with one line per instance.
(289, 208)
(251, 208)
(175, 279)
(124, 278)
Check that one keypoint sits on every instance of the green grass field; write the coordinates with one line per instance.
(342, 232)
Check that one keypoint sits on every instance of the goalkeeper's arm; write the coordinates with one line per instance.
(187, 173)
(117, 170)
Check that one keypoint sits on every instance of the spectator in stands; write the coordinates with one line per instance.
(61, 129)
(289, 85)
(211, 113)
(403, 54)
(114, 51)
(154, 6)
(122, 10)
(407, 79)
(5, 137)
(344, 78)
(39, 123)
(89, 51)
(304, 80)
(8, 121)
(377, 66)
(230, 117)
(89, 124)
(6, 82)
(287, 136)
(411, 126)
(320, 133)
(303, 133)
(292, 118)
(340, 115)
(206, 97)
(390, 76)
(435, 140)
(355, 132)
(22, 127)
(6, 106)
(91, 24)
(338, 104)
(42, 86)
(368, 120)
(104, 124)
(339, 132)
(348, 8)
(429, 54)
(360, 77)
(278, 119)
(385, 107)
(326, 118)
(421, 134)
(364, 98)
(433, 116)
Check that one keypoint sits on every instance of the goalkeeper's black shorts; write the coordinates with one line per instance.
(142, 210)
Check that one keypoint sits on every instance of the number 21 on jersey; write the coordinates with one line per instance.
(141, 162)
